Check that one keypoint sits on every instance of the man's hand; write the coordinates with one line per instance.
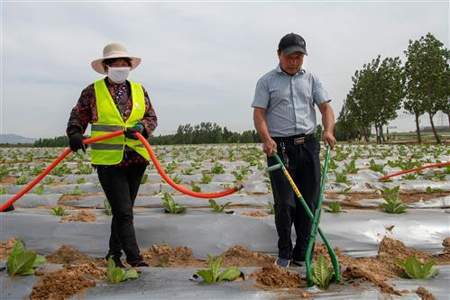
(329, 139)
(269, 147)
(131, 132)
(76, 142)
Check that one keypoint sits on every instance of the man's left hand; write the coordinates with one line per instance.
(329, 139)
(131, 132)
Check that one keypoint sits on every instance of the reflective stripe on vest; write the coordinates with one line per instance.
(110, 152)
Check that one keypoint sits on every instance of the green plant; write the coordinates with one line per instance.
(171, 167)
(322, 273)
(81, 180)
(392, 203)
(107, 206)
(39, 190)
(376, 167)
(341, 177)
(84, 169)
(334, 207)
(76, 191)
(415, 269)
(144, 178)
(58, 211)
(213, 273)
(195, 187)
(49, 180)
(270, 207)
(410, 176)
(2, 190)
(188, 171)
(23, 262)
(116, 275)
(177, 179)
(351, 167)
(439, 176)
(206, 178)
(217, 169)
(217, 207)
(170, 206)
(22, 180)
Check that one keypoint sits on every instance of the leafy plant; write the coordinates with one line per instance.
(415, 269)
(177, 179)
(392, 204)
(76, 191)
(22, 180)
(2, 190)
(376, 167)
(107, 206)
(430, 190)
(59, 211)
(206, 178)
(217, 169)
(23, 262)
(188, 171)
(116, 275)
(217, 207)
(322, 273)
(334, 207)
(170, 206)
(410, 176)
(213, 273)
(39, 190)
(351, 167)
(195, 187)
(84, 169)
(341, 177)
(270, 207)
(81, 180)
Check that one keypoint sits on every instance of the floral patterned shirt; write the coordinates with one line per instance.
(85, 112)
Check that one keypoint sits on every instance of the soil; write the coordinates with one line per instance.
(82, 216)
(240, 256)
(424, 294)
(6, 247)
(255, 213)
(68, 255)
(8, 180)
(274, 277)
(63, 284)
(166, 256)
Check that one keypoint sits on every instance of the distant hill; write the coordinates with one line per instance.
(15, 139)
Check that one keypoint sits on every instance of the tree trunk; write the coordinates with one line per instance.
(438, 140)
(419, 138)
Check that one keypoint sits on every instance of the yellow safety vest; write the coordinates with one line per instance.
(110, 152)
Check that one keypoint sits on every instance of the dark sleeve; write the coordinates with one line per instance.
(149, 120)
(83, 112)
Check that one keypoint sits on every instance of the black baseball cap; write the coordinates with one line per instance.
(291, 43)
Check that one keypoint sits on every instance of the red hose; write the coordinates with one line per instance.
(88, 141)
(436, 165)
(179, 187)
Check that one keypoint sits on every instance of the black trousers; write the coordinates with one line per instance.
(121, 185)
(303, 164)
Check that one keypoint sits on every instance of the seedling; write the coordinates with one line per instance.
(334, 207)
(58, 211)
(2, 190)
(206, 178)
(392, 204)
(270, 208)
(39, 190)
(144, 178)
(322, 273)
(217, 169)
(116, 275)
(170, 206)
(217, 208)
(195, 188)
(351, 167)
(177, 179)
(22, 180)
(84, 169)
(107, 206)
(188, 171)
(76, 191)
(81, 180)
(430, 190)
(213, 273)
(23, 262)
(410, 176)
(415, 269)
(376, 167)
(341, 177)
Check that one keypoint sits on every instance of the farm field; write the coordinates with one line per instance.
(373, 224)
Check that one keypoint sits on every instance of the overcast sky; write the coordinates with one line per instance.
(200, 61)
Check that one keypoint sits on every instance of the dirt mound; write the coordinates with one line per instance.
(255, 213)
(63, 284)
(68, 255)
(82, 216)
(240, 256)
(424, 294)
(274, 277)
(391, 250)
(166, 256)
(6, 247)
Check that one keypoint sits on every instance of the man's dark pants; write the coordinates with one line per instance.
(303, 164)
(121, 185)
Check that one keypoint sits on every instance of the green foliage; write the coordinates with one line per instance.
(60, 170)
(23, 262)
(188, 171)
(341, 177)
(195, 187)
(3, 172)
(81, 180)
(410, 176)
(39, 190)
(144, 178)
(2, 190)
(415, 269)
(217, 169)
(177, 179)
(376, 167)
(116, 275)
(107, 208)
(430, 190)
(206, 178)
(392, 203)
(22, 180)
(58, 211)
(170, 206)
(270, 208)
(171, 167)
(334, 207)
(322, 273)
(76, 191)
(217, 208)
(84, 169)
(351, 167)
(213, 273)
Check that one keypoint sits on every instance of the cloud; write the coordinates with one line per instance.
(200, 61)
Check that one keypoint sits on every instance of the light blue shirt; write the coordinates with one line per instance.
(289, 101)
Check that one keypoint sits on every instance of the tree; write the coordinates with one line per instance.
(427, 79)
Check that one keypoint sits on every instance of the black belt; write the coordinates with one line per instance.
(295, 139)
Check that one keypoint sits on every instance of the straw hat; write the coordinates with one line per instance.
(114, 50)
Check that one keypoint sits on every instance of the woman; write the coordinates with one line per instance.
(109, 104)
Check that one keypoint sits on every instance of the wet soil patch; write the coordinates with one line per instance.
(166, 256)
(82, 216)
(68, 255)
(274, 277)
(6, 248)
(240, 256)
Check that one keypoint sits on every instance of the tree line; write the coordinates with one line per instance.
(384, 86)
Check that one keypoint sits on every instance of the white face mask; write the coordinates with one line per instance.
(118, 74)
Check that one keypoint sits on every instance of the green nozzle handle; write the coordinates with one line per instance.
(274, 167)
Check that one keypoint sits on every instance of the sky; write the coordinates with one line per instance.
(200, 60)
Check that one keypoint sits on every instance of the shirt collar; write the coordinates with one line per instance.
(300, 72)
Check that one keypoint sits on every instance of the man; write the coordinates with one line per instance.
(285, 119)
(109, 104)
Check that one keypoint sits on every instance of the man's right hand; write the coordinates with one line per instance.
(76, 142)
(269, 147)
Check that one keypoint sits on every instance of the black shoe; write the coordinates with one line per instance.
(140, 263)
(116, 260)
(298, 263)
